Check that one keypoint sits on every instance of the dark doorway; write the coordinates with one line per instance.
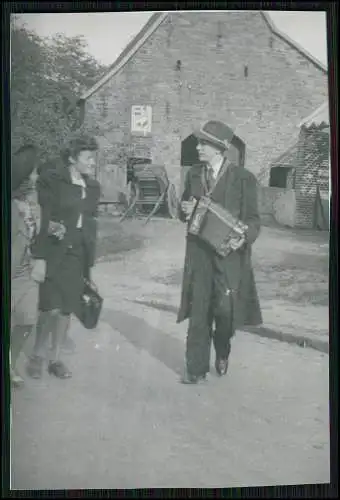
(189, 153)
(237, 151)
(279, 176)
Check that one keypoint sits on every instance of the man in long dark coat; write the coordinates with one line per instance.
(216, 289)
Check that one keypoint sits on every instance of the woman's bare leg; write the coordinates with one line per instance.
(56, 366)
(59, 334)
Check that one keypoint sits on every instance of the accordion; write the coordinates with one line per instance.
(216, 226)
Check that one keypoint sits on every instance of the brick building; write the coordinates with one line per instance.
(312, 172)
(184, 68)
(299, 178)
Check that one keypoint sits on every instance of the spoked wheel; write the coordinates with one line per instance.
(132, 200)
(172, 202)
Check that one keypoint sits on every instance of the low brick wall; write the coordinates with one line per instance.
(278, 204)
(266, 199)
(285, 208)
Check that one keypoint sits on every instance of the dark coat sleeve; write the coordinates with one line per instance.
(185, 196)
(230, 271)
(252, 217)
(47, 190)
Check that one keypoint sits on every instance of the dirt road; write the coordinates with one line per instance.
(124, 420)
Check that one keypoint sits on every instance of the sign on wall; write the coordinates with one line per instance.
(141, 120)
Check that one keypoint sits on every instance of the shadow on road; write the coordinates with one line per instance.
(168, 350)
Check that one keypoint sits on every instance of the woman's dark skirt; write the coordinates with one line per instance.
(63, 290)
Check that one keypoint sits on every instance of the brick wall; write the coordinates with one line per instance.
(311, 168)
(281, 87)
(267, 196)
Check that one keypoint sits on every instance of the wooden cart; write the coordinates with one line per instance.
(151, 191)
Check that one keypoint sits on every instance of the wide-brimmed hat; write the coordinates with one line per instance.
(24, 161)
(216, 133)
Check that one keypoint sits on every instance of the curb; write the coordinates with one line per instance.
(261, 331)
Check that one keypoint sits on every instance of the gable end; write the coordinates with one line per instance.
(156, 20)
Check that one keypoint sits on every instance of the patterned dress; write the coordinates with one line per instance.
(24, 291)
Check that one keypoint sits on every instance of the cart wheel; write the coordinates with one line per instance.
(132, 193)
(172, 202)
(132, 200)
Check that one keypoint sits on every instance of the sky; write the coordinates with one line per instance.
(107, 33)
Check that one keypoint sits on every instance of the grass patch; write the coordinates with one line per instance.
(115, 237)
(299, 279)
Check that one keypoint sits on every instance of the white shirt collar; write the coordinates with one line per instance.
(216, 165)
(77, 180)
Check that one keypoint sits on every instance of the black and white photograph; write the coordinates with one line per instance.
(170, 223)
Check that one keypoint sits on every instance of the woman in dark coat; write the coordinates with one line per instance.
(65, 247)
(215, 289)
(24, 291)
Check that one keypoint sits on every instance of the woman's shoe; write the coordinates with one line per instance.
(34, 367)
(58, 369)
(16, 380)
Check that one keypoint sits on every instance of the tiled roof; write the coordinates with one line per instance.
(318, 117)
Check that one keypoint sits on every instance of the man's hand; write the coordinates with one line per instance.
(38, 272)
(57, 229)
(236, 243)
(188, 207)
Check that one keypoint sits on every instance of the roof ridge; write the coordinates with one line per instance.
(129, 50)
(291, 42)
(152, 24)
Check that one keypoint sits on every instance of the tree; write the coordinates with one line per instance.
(47, 78)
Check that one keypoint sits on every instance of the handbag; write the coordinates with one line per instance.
(89, 306)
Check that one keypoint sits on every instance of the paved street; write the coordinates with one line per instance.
(124, 420)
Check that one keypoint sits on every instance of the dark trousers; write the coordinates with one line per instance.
(201, 333)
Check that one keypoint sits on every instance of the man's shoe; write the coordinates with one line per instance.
(16, 380)
(221, 365)
(34, 367)
(193, 379)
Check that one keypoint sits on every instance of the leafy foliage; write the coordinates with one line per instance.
(47, 79)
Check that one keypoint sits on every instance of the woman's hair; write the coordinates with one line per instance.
(23, 163)
(81, 142)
